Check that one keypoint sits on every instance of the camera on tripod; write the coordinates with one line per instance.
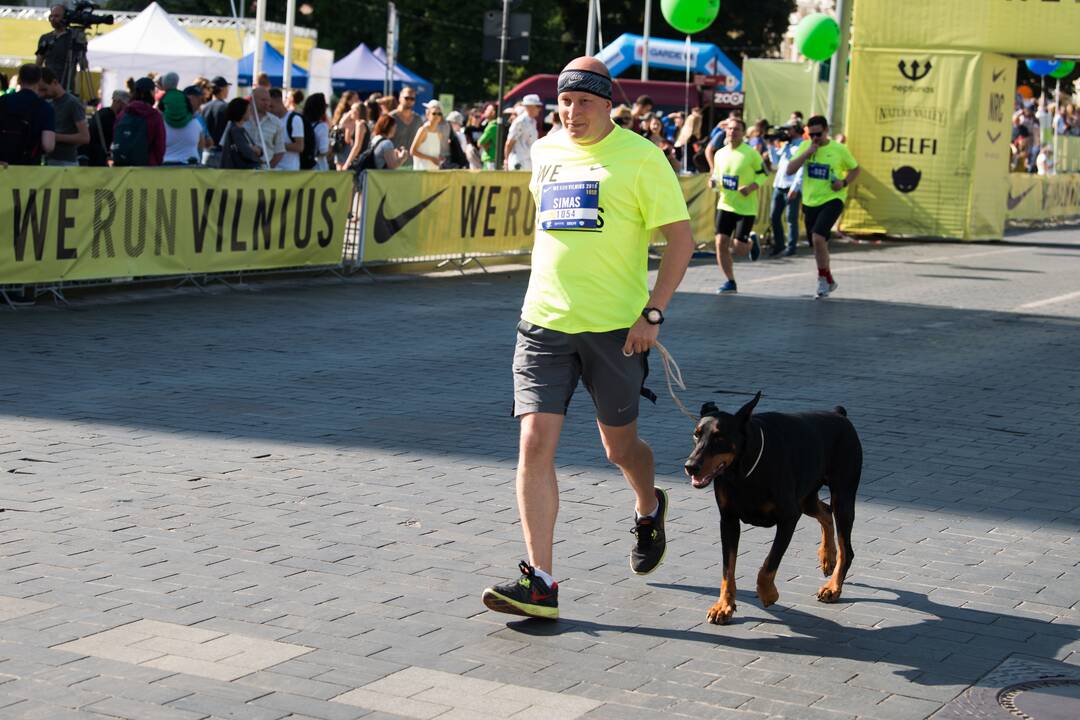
(82, 15)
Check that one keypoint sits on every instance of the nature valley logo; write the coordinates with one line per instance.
(894, 113)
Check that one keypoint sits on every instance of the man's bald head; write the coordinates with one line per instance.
(590, 64)
(261, 97)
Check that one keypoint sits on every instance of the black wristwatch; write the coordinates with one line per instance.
(653, 316)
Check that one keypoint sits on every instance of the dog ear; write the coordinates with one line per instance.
(709, 408)
(746, 410)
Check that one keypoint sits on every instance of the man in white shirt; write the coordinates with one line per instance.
(523, 133)
(294, 131)
(269, 133)
(787, 193)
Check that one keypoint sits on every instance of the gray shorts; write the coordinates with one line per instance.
(549, 363)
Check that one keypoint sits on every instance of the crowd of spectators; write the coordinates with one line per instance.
(1036, 124)
(155, 122)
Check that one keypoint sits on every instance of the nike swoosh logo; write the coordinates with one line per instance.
(691, 201)
(1012, 202)
(594, 168)
(998, 74)
(993, 138)
(538, 597)
(386, 228)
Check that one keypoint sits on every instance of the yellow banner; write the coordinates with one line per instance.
(462, 213)
(90, 223)
(1041, 198)
(775, 87)
(989, 180)
(931, 133)
(1066, 153)
(19, 38)
(1028, 28)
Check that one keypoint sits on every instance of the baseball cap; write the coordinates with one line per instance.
(532, 99)
(433, 105)
(455, 117)
(220, 82)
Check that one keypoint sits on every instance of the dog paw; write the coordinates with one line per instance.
(720, 613)
(827, 559)
(768, 594)
(828, 593)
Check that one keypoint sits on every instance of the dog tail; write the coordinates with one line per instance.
(840, 410)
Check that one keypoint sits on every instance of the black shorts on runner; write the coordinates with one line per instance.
(821, 219)
(548, 365)
(734, 225)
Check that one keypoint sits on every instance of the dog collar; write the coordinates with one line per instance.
(761, 451)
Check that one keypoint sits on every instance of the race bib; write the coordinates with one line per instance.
(818, 171)
(731, 182)
(570, 205)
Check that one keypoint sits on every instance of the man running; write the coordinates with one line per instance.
(736, 168)
(600, 192)
(830, 170)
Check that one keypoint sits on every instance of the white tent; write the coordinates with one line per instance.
(154, 42)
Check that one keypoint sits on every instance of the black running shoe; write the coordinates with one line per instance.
(648, 553)
(529, 596)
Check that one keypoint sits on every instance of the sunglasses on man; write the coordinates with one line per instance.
(816, 135)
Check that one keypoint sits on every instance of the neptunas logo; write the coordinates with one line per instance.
(915, 72)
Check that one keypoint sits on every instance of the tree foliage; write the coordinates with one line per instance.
(441, 39)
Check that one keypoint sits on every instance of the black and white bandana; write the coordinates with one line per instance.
(585, 81)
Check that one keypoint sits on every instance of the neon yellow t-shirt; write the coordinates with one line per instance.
(597, 207)
(734, 168)
(826, 165)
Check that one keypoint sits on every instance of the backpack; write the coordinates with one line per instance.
(17, 143)
(307, 155)
(337, 139)
(366, 159)
(131, 141)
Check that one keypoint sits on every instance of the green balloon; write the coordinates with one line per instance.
(1064, 68)
(690, 16)
(817, 36)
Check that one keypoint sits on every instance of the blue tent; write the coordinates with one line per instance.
(273, 65)
(399, 68)
(364, 71)
(705, 58)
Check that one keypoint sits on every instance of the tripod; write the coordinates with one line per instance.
(79, 82)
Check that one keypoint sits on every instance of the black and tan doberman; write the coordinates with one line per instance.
(766, 470)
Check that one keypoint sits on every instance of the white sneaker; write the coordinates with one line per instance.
(823, 287)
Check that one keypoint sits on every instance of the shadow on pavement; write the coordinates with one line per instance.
(988, 636)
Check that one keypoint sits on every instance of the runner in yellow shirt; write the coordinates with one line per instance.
(736, 170)
(830, 170)
(601, 192)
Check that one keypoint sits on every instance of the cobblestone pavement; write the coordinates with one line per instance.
(284, 502)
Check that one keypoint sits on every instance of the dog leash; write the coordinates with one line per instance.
(672, 373)
(759, 454)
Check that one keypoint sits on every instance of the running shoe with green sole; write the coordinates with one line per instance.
(529, 595)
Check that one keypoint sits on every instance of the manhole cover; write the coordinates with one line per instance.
(1020, 687)
(1052, 699)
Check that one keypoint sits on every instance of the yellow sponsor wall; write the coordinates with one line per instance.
(931, 131)
(990, 161)
(1034, 198)
(19, 37)
(88, 223)
(776, 87)
(1027, 28)
(462, 213)
(1067, 153)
